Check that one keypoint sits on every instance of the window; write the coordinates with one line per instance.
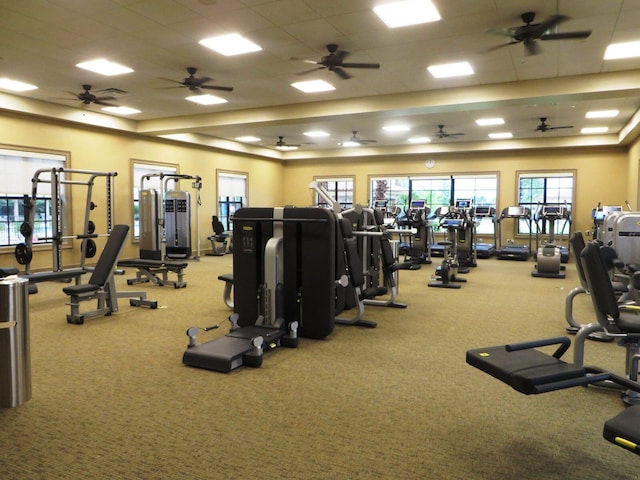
(339, 188)
(437, 191)
(232, 195)
(141, 169)
(393, 189)
(555, 188)
(19, 167)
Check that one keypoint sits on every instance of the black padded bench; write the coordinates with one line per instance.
(530, 371)
(155, 271)
(623, 430)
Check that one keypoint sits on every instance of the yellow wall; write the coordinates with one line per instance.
(106, 151)
(601, 174)
(607, 175)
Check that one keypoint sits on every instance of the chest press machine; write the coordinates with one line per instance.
(283, 283)
(528, 369)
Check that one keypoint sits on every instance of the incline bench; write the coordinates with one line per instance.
(101, 285)
(155, 271)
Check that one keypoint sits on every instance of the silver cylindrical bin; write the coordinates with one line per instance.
(15, 357)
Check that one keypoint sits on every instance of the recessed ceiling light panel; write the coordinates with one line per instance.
(316, 133)
(594, 130)
(602, 114)
(121, 110)
(232, 44)
(407, 12)
(313, 86)
(500, 135)
(104, 67)
(483, 122)
(396, 128)
(446, 70)
(349, 144)
(15, 86)
(419, 140)
(622, 50)
(206, 99)
(248, 138)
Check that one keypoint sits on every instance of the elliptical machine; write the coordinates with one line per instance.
(446, 274)
(550, 255)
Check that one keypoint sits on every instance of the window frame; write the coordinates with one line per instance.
(227, 206)
(26, 154)
(335, 192)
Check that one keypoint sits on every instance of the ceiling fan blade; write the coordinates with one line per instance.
(548, 24)
(170, 80)
(312, 70)
(198, 82)
(566, 35)
(101, 99)
(106, 104)
(216, 87)
(491, 49)
(360, 65)
(341, 73)
(556, 128)
(530, 47)
(341, 55)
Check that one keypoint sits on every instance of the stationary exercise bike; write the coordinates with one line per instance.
(446, 274)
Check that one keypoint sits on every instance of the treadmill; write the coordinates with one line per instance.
(511, 250)
(478, 215)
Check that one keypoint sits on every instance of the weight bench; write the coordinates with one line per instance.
(228, 286)
(155, 271)
(101, 285)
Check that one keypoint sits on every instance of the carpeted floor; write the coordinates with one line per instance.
(111, 398)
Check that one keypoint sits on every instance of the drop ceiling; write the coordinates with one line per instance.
(42, 41)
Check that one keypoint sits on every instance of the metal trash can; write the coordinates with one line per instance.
(15, 357)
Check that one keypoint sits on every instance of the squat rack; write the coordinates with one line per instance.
(56, 179)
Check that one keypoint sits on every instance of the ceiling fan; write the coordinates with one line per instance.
(334, 62)
(87, 97)
(355, 140)
(195, 84)
(545, 127)
(442, 134)
(530, 32)
(282, 145)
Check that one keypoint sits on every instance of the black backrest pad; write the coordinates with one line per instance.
(109, 256)
(600, 287)
(577, 245)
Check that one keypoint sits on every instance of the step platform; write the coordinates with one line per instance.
(243, 346)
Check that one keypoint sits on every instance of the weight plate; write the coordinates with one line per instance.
(91, 227)
(23, 253)
(91, 248)
(25, 229)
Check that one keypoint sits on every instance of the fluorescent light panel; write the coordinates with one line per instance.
(622, 50)
(483, 122)
(232, 44)
(446, 70)
(593, 130)
(248, 138)
(407, 12)
(419, 140)
(15, 85)
(104, 67)
(349, 144)
(313, 86)
(500, 135)
(316, 133)
(286, 147)
(396, 128)
(121, 110)
(206, 99)
(602, 114)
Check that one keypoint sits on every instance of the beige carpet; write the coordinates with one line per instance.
(111, 398)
